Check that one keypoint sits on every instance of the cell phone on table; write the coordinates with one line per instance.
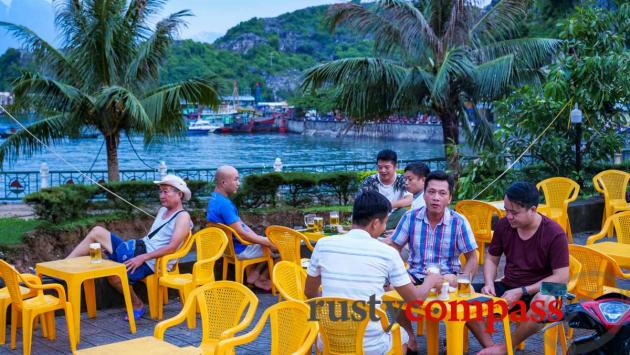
(481, 299)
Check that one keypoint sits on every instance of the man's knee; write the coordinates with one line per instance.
(98, 231)
(113, 280)
(542, 307)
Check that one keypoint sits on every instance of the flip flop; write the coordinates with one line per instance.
(137, 313)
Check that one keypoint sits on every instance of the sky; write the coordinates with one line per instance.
(214, 17)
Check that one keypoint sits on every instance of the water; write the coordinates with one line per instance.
(218, 149)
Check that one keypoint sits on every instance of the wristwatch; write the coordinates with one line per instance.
(524, 290)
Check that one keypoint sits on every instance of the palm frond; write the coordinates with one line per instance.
(493, 77)
(367, 86)
(415, 31)
(145, 66)
(126, 107)
(47, 94)
(414, 89)
(70, 18)
(457, 25)
(500, 22)
(528, 52)
(48, 130)
(137, 14)
(456, 67)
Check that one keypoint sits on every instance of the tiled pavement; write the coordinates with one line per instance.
(109, 327)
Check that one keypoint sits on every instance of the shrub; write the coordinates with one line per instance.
(61, 203)
(344, 184)
(298, 183)
(259, 190)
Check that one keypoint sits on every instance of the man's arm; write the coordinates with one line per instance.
(403, 202)
(181, 232)
(410, 292)
(490, 273)
(311, 287)
(249, 235)
(560, 275)
(472, 263)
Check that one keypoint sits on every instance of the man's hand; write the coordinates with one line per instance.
(488, 289)
(269, 244)
(434, 280)
(512, 296)
(452, 279)
(135, 262)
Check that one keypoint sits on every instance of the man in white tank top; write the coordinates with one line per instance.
(169, 230)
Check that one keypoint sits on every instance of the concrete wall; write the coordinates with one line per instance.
(414, 132)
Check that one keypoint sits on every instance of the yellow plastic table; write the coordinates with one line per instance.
(618, 251)
(454, 328)
(141, 346)
(77, 271)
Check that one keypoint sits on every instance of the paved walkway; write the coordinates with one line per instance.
(109, 327)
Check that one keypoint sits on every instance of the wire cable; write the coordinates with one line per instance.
(74, 167)
(96, 157)
(138, 156)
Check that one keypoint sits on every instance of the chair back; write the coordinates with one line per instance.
(559, 191)
(621, 223)
(612, 183)
(594, 273)
(290, 326)
(479, 215)
(221, 305)
(211, 243)
(230, 233)
(287, 241)
(340, 336)
(575, 267)
(11, 279)
(289, 278)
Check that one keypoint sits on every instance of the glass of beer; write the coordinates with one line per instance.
(334, 218)
(95, 253)
(464, 288)
(319, 223)
(309, 221)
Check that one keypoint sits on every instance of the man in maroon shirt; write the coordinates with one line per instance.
(536, 250)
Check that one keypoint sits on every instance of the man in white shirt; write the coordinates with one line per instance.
(415, 175)
(357, 266)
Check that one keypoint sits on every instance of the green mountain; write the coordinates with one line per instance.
(272, 51)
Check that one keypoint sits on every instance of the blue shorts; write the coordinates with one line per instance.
(140, 273)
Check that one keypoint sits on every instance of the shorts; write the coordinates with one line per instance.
(252, 251)
(140, 273)
(499, 290)
(415, 280)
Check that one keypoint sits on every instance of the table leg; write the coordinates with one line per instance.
(90, 297)
(74, 297)
(432, 335)
(127, 295)
(508, 335)
(454, 337)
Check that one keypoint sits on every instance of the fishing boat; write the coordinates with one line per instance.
(201, 127)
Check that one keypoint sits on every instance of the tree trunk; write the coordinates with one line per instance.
(450, 136)
(111, 143)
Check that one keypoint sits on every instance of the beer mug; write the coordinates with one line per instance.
(334, 218)
(464, 288)
(95, 253)
(309, 221)
(319, 223)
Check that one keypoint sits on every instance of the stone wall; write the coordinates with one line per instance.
(414, 132)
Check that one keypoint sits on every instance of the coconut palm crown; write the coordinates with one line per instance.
(432, 55)
(103, 76)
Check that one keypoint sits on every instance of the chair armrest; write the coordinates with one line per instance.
(306, 242)
(247, 320)
(305, 348)
(226, 346)
(396, 340)
(161, 327)
(595, 237)
(31, 278)
(199, 263)
(61, 293)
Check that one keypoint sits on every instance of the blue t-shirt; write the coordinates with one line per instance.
(222, 210)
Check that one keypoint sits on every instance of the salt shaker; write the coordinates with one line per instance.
(444, 291)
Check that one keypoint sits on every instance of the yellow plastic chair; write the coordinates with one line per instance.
(289, 278)
(559, 192)
(613, 185)
(152, 283)
(598, 274)
(619, 223)
(210, 242)
(288, 241)
(479, 215)
(229, 257)
(5, 302)
(346, 336)
(291, 331)
(221, 305)
(31, 308)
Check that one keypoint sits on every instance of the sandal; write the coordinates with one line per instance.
(137, 314)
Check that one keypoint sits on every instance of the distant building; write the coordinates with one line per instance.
(6, 98)
(244, 101)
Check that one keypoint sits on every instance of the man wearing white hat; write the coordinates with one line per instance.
(169, 230)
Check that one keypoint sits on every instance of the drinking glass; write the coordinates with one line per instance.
(319, 223)
(309, 221)
(95, 253)
(334, 218)
(464, 289)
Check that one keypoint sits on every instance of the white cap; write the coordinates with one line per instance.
(176, 182)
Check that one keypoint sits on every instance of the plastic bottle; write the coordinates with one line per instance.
(444, 292)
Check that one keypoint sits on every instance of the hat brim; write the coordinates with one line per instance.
(186, 190)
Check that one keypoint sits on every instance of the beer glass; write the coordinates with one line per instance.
(334, 218)
(319, 223)
(464, 288)
(95, 253)
(309, 221)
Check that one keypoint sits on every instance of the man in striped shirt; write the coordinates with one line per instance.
(357, 266)
(435, 234)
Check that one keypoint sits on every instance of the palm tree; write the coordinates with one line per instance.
(435, 55)
(105, 76)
